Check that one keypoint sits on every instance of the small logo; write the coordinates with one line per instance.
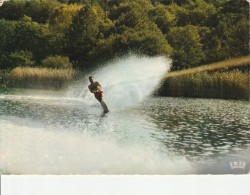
(238, 164)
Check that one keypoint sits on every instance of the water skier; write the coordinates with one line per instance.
(96, 89)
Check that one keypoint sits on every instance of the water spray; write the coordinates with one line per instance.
(126, 82)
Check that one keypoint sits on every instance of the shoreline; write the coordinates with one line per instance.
(232, 84)
(216, 85)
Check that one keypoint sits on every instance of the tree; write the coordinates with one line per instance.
(7, 37)
(187, 47)
(92, 31)
(133, 32)
(12, 10)
(164, 19)
(37, 38)
(232, 28)
(87, 27)
(20, 58)
(56, 62)
(233, 35)
(63, 1)
(240, 8)
(79, 1)
(168, 2)
(198, 13)
(62, 17)
(130, 15)
(38, 10)
(7, 34)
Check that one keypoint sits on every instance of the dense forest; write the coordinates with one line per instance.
(86, 33)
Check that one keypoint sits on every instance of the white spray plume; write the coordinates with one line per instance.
(126, 82)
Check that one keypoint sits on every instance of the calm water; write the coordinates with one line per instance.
(54, 135)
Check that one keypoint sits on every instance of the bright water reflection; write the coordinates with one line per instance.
(49, 134)
(200, 127)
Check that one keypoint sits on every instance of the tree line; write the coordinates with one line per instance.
(86, 33)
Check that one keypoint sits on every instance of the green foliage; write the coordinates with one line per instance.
(12, 10)
(7, 35)
(16, 58)
(21, 58)
(131, 15)
(62, 17)
(87, 27)
(38, 10)
(233, 28)
(134, 32)
(63, 1)
(37, 38)
(198, 13)
(56, 62)
(90, 32)
(187, 46)
(235, 7)
(143, 43)
(164, 19)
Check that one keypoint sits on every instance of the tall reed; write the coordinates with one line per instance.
(40, 78)
(226, 85)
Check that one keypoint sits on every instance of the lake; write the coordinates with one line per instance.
(54, 134)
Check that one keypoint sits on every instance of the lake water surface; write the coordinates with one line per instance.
(65, 132)
(45, 134)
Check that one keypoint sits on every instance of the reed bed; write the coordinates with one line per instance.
(40, 78)
(225, 85)
(243, 61)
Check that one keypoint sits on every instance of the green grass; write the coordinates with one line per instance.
(225, 85)
(40, 78)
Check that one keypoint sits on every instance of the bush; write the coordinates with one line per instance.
(56, 62)
(20, 58)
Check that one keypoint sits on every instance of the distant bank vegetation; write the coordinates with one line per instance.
(229, 79)
(226, 85)
(90, 32)
(55, 72)
(40, 78)
(68, 35)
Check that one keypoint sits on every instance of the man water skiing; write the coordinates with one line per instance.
(96, 89)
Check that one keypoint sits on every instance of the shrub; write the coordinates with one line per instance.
(20, 58)
(56, 62)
